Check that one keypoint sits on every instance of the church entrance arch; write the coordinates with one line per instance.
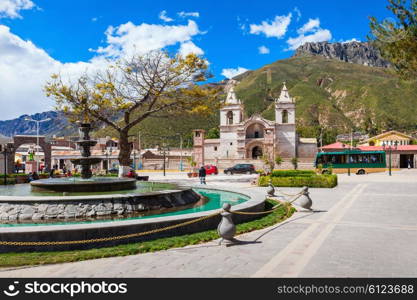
(19, 140)
(257, 152)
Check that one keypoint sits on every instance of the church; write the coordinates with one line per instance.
(248, 140)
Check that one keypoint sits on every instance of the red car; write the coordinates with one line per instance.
(210, 169)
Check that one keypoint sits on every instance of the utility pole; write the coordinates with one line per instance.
(181, 169)
(37, 137)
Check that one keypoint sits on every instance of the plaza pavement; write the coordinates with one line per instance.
(365, 227)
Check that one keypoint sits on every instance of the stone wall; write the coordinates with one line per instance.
(15, 210)
(306, 150)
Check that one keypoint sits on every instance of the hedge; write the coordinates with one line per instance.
(293, 173)
(314, 181)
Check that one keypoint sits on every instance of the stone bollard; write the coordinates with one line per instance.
(304, 200)
(226, 228)
(271, 189)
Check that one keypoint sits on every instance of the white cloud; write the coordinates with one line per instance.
(349, 41)
(190, 47)
(184, 14)
(163, 16)
(94, 19)
(129, 38)
(317, 34)
(25, 68)
(230, 73)
(11, 8)
(297, 13)
(276, 28)
(310, 26)
(263, 50)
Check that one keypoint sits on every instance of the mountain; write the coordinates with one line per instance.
(333, 94)
(57, 125)
(353, 52)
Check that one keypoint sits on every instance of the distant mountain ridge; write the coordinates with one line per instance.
(57, 125)
(353, 52)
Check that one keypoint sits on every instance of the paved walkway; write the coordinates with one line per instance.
(366, 227)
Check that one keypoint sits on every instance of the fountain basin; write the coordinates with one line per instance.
(22, 208)
(85, 231)
(74, 185)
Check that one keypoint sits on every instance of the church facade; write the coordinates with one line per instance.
(252, 138)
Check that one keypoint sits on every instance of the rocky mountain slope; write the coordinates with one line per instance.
(329, 94)
(57, 124)
(333, 94)
(353, 52)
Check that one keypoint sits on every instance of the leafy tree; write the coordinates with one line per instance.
(397, 39)
(131, 90)
(294, 162)
(278, 160)
(213, 133)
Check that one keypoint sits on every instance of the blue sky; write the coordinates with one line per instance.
(38, 37)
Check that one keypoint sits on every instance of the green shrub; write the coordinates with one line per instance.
(314, 181)
(9, 180)
(292, 173)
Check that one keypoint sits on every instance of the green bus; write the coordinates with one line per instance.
(359, 162)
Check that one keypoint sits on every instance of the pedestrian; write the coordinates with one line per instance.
(409, 163)
(202, 174)
(52, 173)
(64, 170)
(35, 176)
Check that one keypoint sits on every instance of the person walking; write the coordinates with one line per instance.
(409, 163)
(202, 174)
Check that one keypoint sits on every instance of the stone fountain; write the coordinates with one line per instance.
(86, 143)
(85, 183)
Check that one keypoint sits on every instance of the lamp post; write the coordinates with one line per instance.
(104, 151)
(181, 163)
(37, 136)
(134, 159)
(6, 149)
(385, 146)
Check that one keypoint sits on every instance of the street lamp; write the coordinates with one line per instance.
(134, 158)
(37, 136)
(385, 146)
(181, 163)
(6, 149)
(107, 153)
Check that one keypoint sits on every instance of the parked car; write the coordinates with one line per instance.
(240, 169)
(114, 171)
(210, 169)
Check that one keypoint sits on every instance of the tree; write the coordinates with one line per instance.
(133, 89)
(278, 160)
(397, 39)
(294, 162)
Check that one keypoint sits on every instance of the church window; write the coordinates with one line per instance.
(231, 144)
(215, 148)
(256, 134)
(229, 117)
(284, 116)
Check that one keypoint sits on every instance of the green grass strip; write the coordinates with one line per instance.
(41, 258)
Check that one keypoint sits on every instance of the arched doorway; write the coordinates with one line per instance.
(257, 152)
(20, 140)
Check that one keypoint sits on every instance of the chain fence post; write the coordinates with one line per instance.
(304, 200)
(226, 228)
